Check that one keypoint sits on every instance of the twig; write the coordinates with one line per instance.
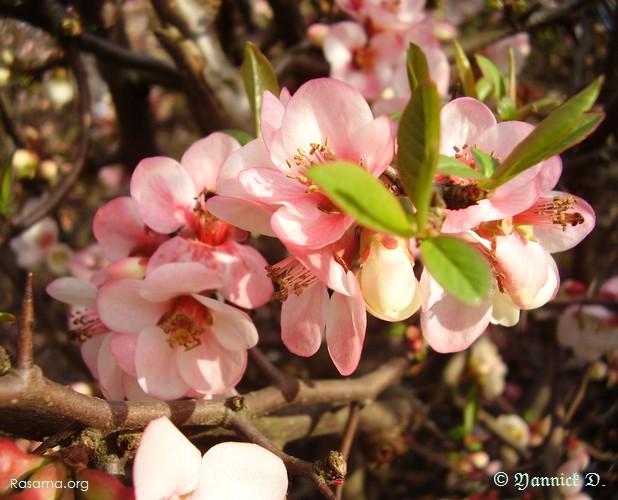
(579, 395)
(9, 126)
(348, 438)
(25, 351)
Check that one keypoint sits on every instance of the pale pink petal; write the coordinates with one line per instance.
(303, 319)
(609, 289)
(323, 108)
(252, 154)
(271, 116)
(132, 390)
(302, 223)
(73, 291)
(375, 147)
(178, 278)
(156, 365)
(322, 264)
(556, 238)
(503, 312)
(346, 323)
(245, 282)
(231, 471)
(204, 158)
(461, 123)
(166, 463)
(229, 318)
(340, 42)
(271, 185)
(548, 176)
(458, 221)
(122, 309)
(210, 368)
(521, 281)
(110, 374)
(90, 352)
(123, 350)
(551, 287)
(244, 214)
(448, 324)
(119, 229)
(163, 193)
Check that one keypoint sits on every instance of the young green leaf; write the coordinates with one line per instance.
(470, 410)
(458, 267)
(6, 195)
(259, 76)
(7, 318)
(563, 128)
(418, 69)
(357, 192)
(419, 146)
(464, 68)
(448, 165)
(486, 162)
(492, 74)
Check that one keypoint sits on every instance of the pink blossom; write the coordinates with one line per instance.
(169, 196)
(466, 122)
(33, 245)
(325, 120)
(168, 466)
(385, 14)
(186, 342)
(308, 312)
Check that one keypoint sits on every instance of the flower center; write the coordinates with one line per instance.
(185, 323)
(459, 193)
(206, 227)
(318, 153)
(291, 276)
(86, 325)
(364, 58)
(551, 211)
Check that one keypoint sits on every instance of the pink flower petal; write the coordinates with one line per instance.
(110, 374)
(458, 221)
(241, 470)
(166, 463)
(122, 309)
(157, 365)
(448, 324)
(271, 185)
(73, 291)
(90, 352)
(163, 193)
(346, 323)
(461, 123)
(204, 158)
(244, 214)
(210, 368)
(271, 116)
(229, 318)
(303, 319)
(250, 155)
(123, 350)
(178, 278)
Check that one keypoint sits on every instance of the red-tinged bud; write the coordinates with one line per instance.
(97, 485)
(16, 463)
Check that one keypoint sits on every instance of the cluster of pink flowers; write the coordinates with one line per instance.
(516, 227)
(151, 321)
(369, 51)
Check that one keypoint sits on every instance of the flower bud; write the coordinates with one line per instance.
(386, 277)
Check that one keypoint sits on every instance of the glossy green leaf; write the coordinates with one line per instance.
(418, 69)
(464, 69)
(355, 191)
(458, 267)
(492, 74)
(486, 163)
(506, 108)
(419, 145)
(563, 128)
(259, 76)
(448, 165)
(483, 89)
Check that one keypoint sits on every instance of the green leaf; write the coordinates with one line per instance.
(483, 89)
(419, 145)
(464, 68)
(492, 74)
(354, 190)
(486, 163)
(511, 82)
(418, 69)
(507, 109)
(240, 135)
(458, 267)
(7, 318)
(259, 76)
(563, 128)
(448, 165)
